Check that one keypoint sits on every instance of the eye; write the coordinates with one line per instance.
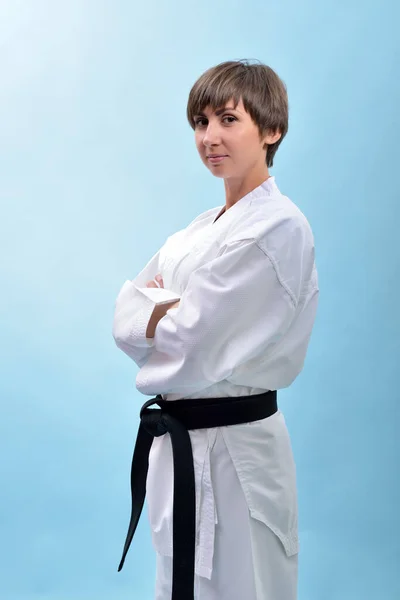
(229, 117)
(199, 121)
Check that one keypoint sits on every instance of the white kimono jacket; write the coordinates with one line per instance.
(248, 290)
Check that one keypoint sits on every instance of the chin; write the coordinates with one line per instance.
(218, 173)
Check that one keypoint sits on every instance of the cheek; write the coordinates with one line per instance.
(247, 146)
(198, 141)
(238, 141)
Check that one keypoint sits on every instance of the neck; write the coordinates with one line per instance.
(237, 188)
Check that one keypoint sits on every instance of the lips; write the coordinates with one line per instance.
(216, 159)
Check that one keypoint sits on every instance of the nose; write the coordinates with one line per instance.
(211, 135)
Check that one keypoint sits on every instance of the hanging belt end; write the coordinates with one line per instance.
(121, 564)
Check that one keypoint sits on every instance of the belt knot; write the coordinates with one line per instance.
(153, 421)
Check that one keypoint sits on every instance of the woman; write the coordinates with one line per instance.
(224, 311)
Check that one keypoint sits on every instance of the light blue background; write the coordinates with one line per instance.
(97, 167)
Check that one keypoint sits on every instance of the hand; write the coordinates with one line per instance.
(152, 283)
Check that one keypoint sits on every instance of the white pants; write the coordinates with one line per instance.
(250, 562)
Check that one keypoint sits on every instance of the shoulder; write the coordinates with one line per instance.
(274, 222)
(283, 234)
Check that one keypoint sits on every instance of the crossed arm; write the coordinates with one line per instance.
(160, 310)
(204, 341)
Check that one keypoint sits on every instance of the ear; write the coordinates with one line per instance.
(272, 137)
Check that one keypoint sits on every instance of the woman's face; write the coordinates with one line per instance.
(230, 133)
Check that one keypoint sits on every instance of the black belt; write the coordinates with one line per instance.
(177, 418)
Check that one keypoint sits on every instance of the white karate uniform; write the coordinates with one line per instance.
(248, 289)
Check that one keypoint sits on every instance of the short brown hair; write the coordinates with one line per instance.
(263, 93)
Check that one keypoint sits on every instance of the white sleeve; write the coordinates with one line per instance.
(133, 308)
(233, 308)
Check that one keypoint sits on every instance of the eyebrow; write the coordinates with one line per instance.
(219, 111)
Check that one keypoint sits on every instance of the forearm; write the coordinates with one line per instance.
(158, 313)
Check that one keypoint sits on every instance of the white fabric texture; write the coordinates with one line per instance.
(257, 568)
(248, 289)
